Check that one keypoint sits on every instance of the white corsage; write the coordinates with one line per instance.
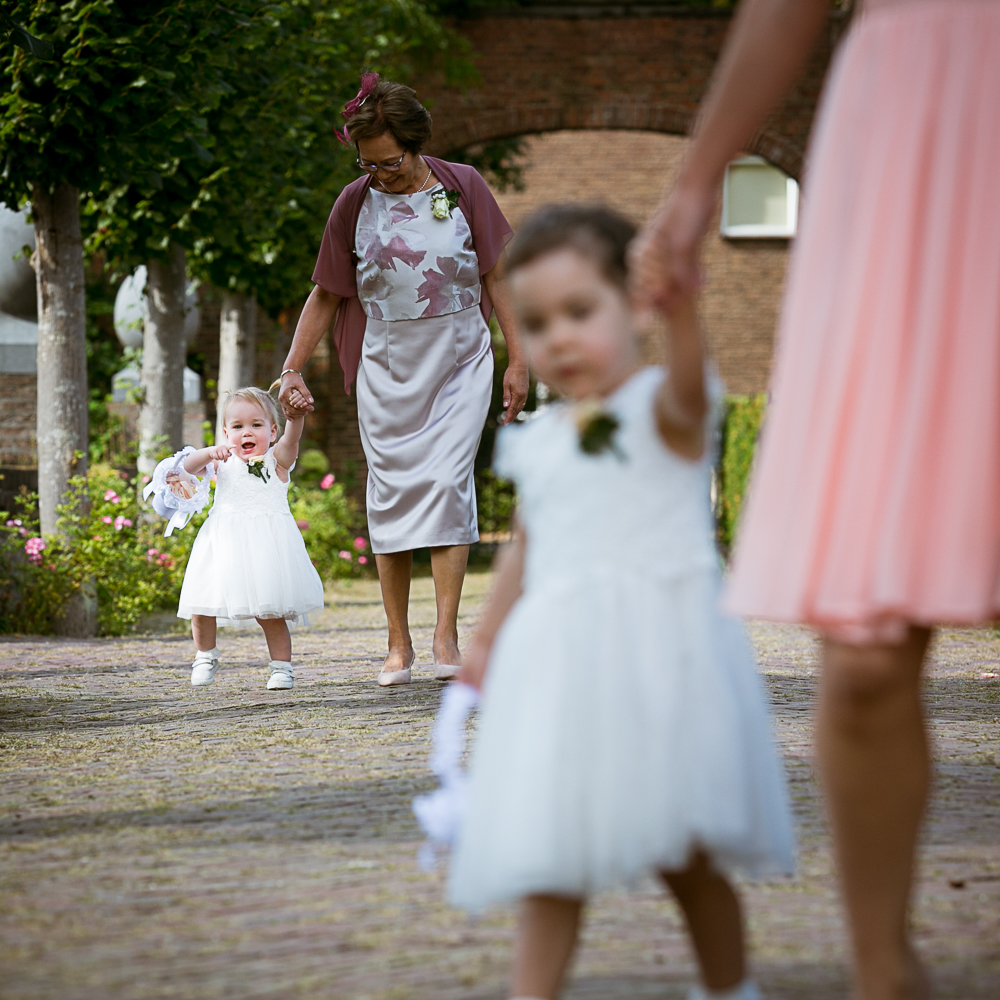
(443, 203)
(256, 467)
(440, 813)
(178, 495)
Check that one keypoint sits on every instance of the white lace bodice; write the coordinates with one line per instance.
(238, 491)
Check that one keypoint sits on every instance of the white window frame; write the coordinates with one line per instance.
(754, 231)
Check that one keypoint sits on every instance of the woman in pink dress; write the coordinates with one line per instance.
(874, 512)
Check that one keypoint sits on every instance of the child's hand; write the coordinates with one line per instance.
(220, 452)
(474, 662)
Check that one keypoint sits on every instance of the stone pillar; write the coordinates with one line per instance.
(237, 347)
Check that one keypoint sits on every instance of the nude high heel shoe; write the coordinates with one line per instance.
(388, 678)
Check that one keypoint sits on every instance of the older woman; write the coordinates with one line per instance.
(411, 266)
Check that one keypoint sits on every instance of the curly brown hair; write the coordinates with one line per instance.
(393, 108)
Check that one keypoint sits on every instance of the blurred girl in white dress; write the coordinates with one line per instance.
(249, 562)
(623, 727)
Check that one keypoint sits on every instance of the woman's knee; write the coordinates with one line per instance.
(861, 680)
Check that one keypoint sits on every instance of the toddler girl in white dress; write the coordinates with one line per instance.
(249, 561)
(623, 727)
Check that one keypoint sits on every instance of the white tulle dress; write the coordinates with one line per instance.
(249, 560)
(623, 723)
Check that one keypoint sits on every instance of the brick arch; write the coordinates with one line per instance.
(568, 65)
(654, 116)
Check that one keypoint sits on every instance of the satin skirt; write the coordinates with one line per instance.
(876, 498)
(424, 390)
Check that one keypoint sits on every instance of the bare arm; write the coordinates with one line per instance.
(287, 448)
(767, 47)
(515, 380)
(506, 590)
(317, 315)
(197, 461)
(681, 404)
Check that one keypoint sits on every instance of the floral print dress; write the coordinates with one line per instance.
(426, 372)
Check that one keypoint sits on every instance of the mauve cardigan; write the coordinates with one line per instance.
(336, 267)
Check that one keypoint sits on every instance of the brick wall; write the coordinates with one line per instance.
(595, 66)
(18, 409)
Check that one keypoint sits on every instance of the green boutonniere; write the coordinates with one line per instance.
(596, 428)
(257, 468)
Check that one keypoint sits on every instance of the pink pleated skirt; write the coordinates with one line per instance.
(875, 502)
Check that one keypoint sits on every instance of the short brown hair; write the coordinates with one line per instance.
(393, 108)
(595, 231)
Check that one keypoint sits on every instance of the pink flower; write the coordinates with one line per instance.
(112, 496)
(145, 479)
(303, 525)
(363, 560)
(122, 522)
(327, 481)
(344, 554)
(23, 532)
(152, 552)
(360, 543)
(10, 524)
(97, 538)
(34, 547)
(106, 519)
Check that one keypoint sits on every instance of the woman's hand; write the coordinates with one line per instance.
(664, 258)
(294, 395)
(515, 391)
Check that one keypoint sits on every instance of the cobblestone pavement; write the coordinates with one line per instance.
(159, 841)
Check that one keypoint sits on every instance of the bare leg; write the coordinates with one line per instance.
(546, 937)
(448, 564)
(715, 923)
(279, 642)
(394, 571)
(875, 765)
(203, 631)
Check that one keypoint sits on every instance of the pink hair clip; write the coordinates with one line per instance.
(368, 82)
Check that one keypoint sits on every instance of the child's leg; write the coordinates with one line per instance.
(203, 632)
(712, 911)
(279, 642)
(546, 936)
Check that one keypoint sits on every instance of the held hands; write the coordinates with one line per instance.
(295, 398)
(515, 391)
(663, 258)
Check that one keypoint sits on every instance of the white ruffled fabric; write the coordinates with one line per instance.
(440, 812)
(623, 724)
(249, 560)
(184, 496)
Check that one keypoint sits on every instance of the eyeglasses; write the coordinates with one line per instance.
(373, 168)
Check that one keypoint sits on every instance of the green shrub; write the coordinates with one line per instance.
(495, 500)
(329, 524)
(740, 429)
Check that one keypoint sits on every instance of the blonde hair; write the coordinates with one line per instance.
(251, 394)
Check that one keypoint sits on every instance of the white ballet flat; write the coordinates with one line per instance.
(388, 678)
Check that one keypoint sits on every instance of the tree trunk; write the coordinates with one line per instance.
(62, 370)
(164, 350)
(237, 347)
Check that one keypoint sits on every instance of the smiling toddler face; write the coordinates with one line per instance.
(249, 429)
